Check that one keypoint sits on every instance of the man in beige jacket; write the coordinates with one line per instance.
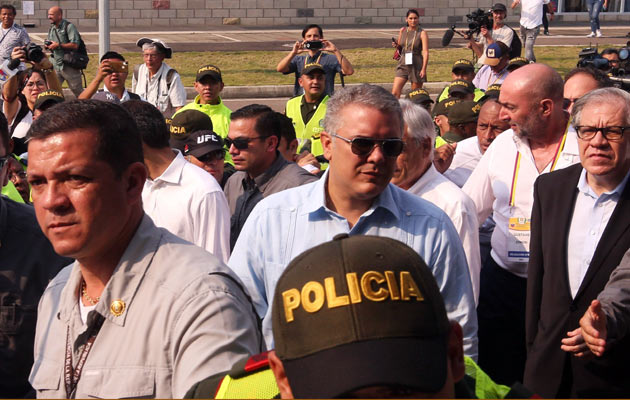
(141, 313)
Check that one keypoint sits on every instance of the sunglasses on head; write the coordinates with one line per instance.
(241, 143)
(364, 146)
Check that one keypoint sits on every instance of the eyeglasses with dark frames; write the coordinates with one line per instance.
(241, 143)
(612, 133)
(362, 146)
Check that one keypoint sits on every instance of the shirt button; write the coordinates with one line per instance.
(593, 232)
(408, 213)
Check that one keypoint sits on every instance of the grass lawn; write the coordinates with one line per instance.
(241, 68)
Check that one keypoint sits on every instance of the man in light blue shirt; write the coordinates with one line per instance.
(362, 138)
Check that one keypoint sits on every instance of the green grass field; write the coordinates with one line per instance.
(242, 68)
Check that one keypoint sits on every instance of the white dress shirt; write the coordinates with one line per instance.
(590, 217)
(490, 186)
(189, 202)
(434, 187)
(466, 158)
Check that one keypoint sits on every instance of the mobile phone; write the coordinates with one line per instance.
(119, 66)
(313, 45)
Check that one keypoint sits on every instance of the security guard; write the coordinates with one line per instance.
(440, 118)
(308, 110)
(369, 321)
(462, 119)
(465, 70)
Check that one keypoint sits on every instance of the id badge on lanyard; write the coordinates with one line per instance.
(408, 58)
(519, 235)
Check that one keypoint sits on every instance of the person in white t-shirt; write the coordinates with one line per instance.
(531, 20)
(500, 32)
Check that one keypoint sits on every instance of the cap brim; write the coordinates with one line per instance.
(418, 363)
(178, 144)
(201, 151)
(459, 90)
(212, 75)
(491, 61)
(512, 67)
(421, 99)
(463, 68)
(310, 71)
(167, 50)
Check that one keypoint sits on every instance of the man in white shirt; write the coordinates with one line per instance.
(178, 195)
(13, 35)
(580, 234)
(502, 184)
(495, 69)
(416, 174)
(156, 82)
(531, 19)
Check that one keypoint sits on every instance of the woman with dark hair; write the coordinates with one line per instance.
(20, 93)
(414, 54)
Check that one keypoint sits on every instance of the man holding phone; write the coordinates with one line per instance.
(113, 71)
(314, 45)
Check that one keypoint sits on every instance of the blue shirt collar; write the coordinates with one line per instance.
(584, 187)
(317, 200)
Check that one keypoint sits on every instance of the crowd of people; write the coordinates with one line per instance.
(356, 245)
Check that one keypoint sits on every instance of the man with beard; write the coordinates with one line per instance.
(502, 184)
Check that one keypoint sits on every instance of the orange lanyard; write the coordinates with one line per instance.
(517, 165)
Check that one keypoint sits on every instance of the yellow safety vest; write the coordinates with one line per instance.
(311, 130)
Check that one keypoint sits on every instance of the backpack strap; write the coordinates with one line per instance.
(169, 78)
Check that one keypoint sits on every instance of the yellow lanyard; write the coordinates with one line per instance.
(412, 43)
(316, 61)
(497, 78)
(517, 165)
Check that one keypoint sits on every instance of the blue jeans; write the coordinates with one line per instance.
(594, 7)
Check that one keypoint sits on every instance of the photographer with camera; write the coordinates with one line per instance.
(64, 37)
(20, 91)
(499, 32)
(113, 71)
(314, 44)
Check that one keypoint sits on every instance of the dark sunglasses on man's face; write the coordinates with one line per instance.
(364, 146)
(241, 143)
(213, 155)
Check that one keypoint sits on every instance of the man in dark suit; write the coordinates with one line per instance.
(580, 232)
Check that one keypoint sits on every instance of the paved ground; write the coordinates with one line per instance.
(242, 39)
(238, 38)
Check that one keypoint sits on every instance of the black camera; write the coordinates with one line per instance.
(47, 42)
(33, 52)
(478, 19)
(590, 58)
(313, 45)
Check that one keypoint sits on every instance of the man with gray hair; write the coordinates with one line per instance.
(156, 82)
(580, 234)
(416, 173)
(361, 139)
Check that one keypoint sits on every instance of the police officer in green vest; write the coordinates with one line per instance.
(359, 317)
(308, 110)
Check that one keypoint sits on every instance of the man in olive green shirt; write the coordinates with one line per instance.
(64, 37)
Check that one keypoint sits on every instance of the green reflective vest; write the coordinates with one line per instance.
(444, 95)
(253, 379)
(311, 130)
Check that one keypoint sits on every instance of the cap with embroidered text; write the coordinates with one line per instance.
(370, 314)
(200, 143)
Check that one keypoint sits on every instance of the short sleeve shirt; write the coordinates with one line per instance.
(65, 33)
(328, 61)
(15, 36)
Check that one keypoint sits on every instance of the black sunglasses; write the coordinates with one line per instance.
(364, 146)
(213, 155)
(241, 143)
